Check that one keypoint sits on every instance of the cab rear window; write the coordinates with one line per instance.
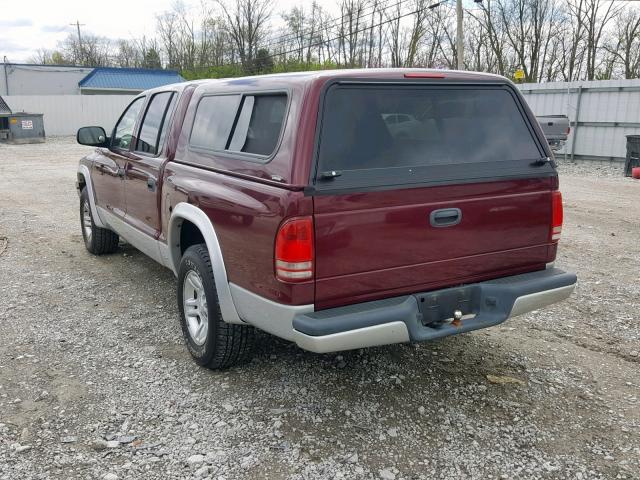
(390, 134)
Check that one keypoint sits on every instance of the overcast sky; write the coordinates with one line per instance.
(27, 25)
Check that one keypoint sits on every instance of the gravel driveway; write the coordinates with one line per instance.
(96, 384)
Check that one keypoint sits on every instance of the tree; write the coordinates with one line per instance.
(47, 57)
(152, 59)
(246, 22)
(128, 54)
(624, 44)
(263, 63)
(167, 29)
(295, 35)
(94, 51)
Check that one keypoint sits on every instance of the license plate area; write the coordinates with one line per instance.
(439, 307)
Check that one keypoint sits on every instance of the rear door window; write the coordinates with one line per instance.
(376, 135)
(249, 124)
(213, 121)
(153, 128)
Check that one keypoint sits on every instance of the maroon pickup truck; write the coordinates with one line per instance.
(337, 210)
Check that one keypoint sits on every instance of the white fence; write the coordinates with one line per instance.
(64, 114)
(601, 112)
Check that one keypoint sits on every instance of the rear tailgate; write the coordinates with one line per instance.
(423, 186)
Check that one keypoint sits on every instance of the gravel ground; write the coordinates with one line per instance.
(96, 384)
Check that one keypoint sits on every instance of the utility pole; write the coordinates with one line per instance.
(78, 25)
(460, 33)
(6, 77)
(459, 36)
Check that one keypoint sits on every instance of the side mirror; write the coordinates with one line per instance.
(92, 136)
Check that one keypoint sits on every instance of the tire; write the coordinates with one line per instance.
(212, 342)
(98, 240)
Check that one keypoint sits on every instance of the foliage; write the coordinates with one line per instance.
(230, 71)
(222, 71)
(152, 59)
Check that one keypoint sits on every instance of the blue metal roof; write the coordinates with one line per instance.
(129, 78)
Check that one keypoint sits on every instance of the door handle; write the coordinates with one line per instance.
(102, 168)
(445, 217)
(151, 184)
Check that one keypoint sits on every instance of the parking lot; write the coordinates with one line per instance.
(95, 381)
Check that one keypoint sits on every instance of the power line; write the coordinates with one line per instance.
(340, 36)
(334, 23)
(389, 20)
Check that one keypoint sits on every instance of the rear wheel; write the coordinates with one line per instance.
(97, 240)
(212, 342)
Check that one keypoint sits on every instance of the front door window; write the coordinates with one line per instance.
(124, 129)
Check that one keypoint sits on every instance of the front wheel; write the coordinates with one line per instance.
(211, 341)
(97, 240)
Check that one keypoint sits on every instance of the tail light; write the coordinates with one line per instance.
(556, 215)
(294, 250)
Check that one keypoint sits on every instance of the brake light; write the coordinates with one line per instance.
(568, 130)
(294, 250)
(556, 215)
(424, 75)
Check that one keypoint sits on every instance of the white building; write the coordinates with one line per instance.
(28, 79)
